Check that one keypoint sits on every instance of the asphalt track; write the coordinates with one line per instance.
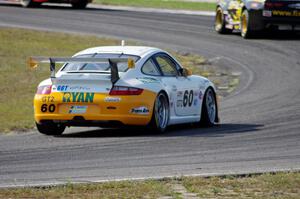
(260, 120)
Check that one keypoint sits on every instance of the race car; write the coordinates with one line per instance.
(121, 85)
(252, 16)
(77, 4)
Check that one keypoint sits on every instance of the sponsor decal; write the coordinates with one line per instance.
(147, 80)
(71, 88)
(195, 102)
(46, 99)
(142, 110)
(112, 99)
(179, 94)
(200, 95)
(267, 13)
(78, 97)
(179, 103)
(78, 109)
(295, 13)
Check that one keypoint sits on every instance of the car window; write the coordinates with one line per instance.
(166, 65)
(122, 66)
(149, 68)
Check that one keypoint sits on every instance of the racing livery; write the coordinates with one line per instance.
(77, 4)
(251, 16)
(121, 85)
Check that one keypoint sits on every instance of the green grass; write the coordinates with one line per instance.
(280, 185)
(173, 4)
(127, 189)
(283, 185)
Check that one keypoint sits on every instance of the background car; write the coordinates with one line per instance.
(252, 16)
(77, 4)
(122, 85)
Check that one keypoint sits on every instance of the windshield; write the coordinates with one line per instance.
(103, 67)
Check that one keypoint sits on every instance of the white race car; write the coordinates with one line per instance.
(122, 85)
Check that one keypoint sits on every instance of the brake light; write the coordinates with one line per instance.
(44, 90)
(123, 90)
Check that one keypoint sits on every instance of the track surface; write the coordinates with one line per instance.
(260, 121)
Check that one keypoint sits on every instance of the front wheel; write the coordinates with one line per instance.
(161, 113)
(50, 128)
(80, 4)
(209, 108)
(30, 3)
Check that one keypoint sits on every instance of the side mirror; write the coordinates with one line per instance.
(186, 72)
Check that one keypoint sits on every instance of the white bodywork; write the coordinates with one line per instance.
(176, 87)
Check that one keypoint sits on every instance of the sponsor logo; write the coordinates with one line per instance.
(46, 99)
(78, 97)
(267, 13)
(179, 103)
(147, 80)
(78, 109)
(112, 99)
(142, 110)
(179, 94)
(70, 88)
(295, 13)
(200, 95)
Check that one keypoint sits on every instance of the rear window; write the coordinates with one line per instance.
(122, 66)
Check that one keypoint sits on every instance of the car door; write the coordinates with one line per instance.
(182, 88)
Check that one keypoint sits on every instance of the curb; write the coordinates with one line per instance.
(152, 10)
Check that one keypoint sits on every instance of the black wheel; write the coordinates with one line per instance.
(80, 4)
(245, 25)
(161, 113)
(220, 22)
(50, 128)
(209, 109)
(30, 3)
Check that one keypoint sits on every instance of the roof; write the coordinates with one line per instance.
(131, 50)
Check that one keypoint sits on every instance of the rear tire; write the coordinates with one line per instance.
(50, 128)
(161, 113)
(209, 109)
(245, 24)
(80, 4)
(220, 22)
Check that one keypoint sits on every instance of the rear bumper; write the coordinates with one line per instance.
(127, 110)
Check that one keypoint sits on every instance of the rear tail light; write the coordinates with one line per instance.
(44, 90)
(123, 90)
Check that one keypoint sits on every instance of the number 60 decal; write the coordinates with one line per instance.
(188, 98)
(50, 108)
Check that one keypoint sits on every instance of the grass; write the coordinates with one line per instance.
(126, 189)
(168, 4)
(18, 83)
(279, 185)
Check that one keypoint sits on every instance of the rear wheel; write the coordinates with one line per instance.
(29, 3)
(161, 113)
(209, 108)
(80, 4)
(50, 128)
(245, 24)
(220, 22)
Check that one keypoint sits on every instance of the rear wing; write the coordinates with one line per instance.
(34, 61)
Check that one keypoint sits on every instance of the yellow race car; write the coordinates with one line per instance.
(121, 85)
(253, 16)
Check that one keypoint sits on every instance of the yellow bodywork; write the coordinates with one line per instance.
(99, 107)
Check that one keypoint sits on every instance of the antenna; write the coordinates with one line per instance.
(123, 43)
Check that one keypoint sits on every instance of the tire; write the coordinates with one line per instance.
(50, 128)
(161, 113)
(209, 114)
(81, 4)
(29, 4)
(245, 25)
(220, 22)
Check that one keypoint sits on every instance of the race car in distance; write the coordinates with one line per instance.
(77, 4)
(252, 16)
(121, 85)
